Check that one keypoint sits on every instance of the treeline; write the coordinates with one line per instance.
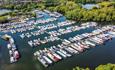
(23, 9)
(70, 9)
(55, 2)
(91, 1)
(108, 66)
(74, 11)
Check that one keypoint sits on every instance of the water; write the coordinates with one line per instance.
(89, 6)
(3, 11)
(90, 58)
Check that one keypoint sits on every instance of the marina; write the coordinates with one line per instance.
(94, 38)
(52, 39)
(13, 51)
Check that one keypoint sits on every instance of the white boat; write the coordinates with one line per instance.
(64, 52)
(56, 55)
(30, 43)
(47, 59)
(89, 43)
(72, 50)
(43, 62)
(9, 46)
(12, 59)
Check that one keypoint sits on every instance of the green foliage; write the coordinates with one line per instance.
(106, 67)
(3, 19)
(51, 2)
(107, 4)
(100, 67)
(78, 68)
(75, 12)
(91, 1)
(67, 6)
(70, 8)
(23, 9)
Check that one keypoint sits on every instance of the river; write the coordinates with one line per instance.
(3, 11)
(90, 58)
(89, 6)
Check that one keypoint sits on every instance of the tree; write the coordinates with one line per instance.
(51, 2)
(3, 19)
(108, 66)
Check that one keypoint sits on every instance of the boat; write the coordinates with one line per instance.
(51, 56)
(56, 55)
(42, 61)
(12, 59)
(90, 43)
